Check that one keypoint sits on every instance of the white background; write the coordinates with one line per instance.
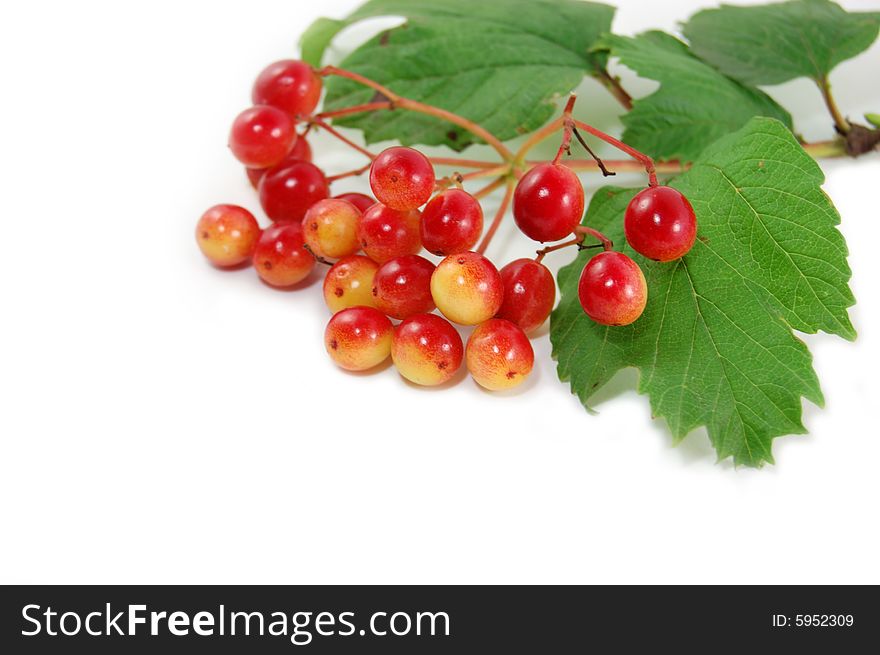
(162, 421)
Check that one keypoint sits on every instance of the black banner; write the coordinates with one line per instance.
(417, 619)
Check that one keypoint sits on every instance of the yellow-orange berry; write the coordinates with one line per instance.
(349, 283)
(330, 228)
(227, 235)
(358, 338)
(499, 355)
(427, 349)
(467, 288)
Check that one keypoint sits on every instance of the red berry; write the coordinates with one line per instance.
(287, 191)
(386, 233)
(499, 355)
(426, 349)
(467, 288)
(349, 283)
(330, 227)
(358, 338)
(280, 258)
(451, 223)
(301, 151)
(612, 289)
(402, 178)
(660, 224)
(291, 86)
(261, 136)
(529, 293)
(359, 200)
(227, 235)
(548, 202)
(402, 287)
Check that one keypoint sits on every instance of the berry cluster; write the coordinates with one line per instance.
(379, 274)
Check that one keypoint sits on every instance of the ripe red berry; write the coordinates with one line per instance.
(301, 151)
(402, 178)
(349, 282)
(612, 289)
(358, 338)
(359, 200)
(660, 224)
(386, 233)
(287, 191)
(451, 223)
(330, 227)
(227, 235)
(426, 349)
(402, 287)
(499, 355)
(291, 86)
(261, 136)
(548, 202)
(280, 258)
(529, 293)
(467, 288)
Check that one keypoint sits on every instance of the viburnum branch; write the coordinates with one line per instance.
(399, 102)
(618, 165)
(352, 173)
(613, 85)
(461, 163)
(330, 130)
(568, 128)
(356, 109)
(496, 222)
(559, 246)
(489, 188)
(605, 171)
(840, 123)
(646, 161)
(501, 169)
(583, 230)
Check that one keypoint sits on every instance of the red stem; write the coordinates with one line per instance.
(583, 230)
(646, 161)
(396, 101)
(493, 228)
(314, 120)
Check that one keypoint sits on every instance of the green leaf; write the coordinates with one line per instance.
(317, 37)
(771, 44)
(695, 104)
(715, 345)
(500, 64)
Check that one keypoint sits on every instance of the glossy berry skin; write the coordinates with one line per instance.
(426, 349)
(386, 233)
(358, 338)
(349, 282)
(227, 235)
(548, 202)
(402, 178)
(359, 200)
(467, 288)
(612, 289)
(402, 287)
(660, 224)
(330, 228)
(280, 258)
(499, 355)
(261, 136)
(291, 86)
(451, 223)
(287, 191)
(301, 151)
(529, 294)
